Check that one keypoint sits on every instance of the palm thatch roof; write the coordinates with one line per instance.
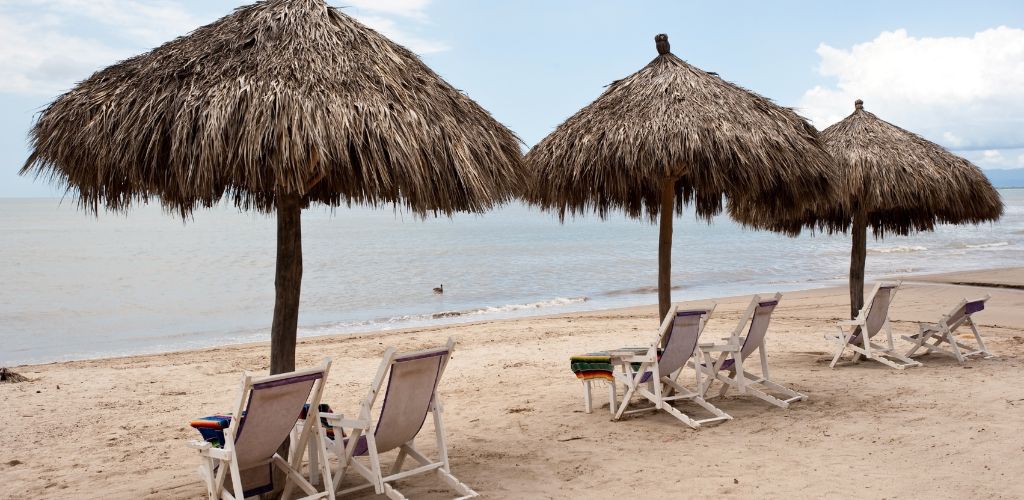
(279, 96)
(902, 181)
(674, 120)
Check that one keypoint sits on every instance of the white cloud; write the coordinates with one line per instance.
(146, 22)
(48, 45)
(390, 29)
(995, 159)
(391, 18)
(34, 60)
(964, 92)
(992, 156)
(407, 8)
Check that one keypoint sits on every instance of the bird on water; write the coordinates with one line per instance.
(439, 290)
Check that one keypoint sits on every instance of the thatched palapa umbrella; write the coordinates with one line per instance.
(279, 105)
(896, 182)
(672, 134)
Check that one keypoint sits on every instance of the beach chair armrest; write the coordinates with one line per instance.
(629, 358)
(339, 420)
(720, 347)
(208, 450)
(199, 445)
(850, 322)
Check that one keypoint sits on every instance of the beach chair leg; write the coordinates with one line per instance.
(587, 407)
(954, 346)
(392, 493)
(681, 416)
(399, 460)
(981, 343)
(841, 342)
(314, 457)
(630, 388)
(325, 463)
(763, 396)
(236, 479)
(714, 410)
(612, 403)
(453, 483)
(379, 486)
(207, 473)
(738, 374)
(793, 395)
(725, 386)
(919, 341)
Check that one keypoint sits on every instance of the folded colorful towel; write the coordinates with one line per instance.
(598, 365)
(212, 427)
(592, 366)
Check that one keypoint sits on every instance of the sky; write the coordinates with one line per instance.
(951, 71)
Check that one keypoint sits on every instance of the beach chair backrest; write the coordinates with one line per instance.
(411, 385)
(682, 340)
(270, 413)
(965, 309)
(758, 326)
(879, 309)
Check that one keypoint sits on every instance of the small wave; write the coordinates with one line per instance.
(407, 318)
(635, 291)
(899, 249)
(989, 245)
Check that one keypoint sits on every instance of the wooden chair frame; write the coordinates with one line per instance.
(661, 389)
(738, 377)
(870, 350)
(944, 332)
(220, 465)
(364, 426)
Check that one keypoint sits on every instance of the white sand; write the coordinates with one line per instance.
(117, 428)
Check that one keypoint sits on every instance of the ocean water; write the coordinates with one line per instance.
(76, 286)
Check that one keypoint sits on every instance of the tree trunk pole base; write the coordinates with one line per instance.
(858, 257)
(668, 205)
(287, 284)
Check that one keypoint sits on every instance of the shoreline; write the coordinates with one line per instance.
(944, 278)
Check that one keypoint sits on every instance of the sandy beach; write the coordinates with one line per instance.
(117, 428)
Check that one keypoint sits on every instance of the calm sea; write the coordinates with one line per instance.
(75, 286)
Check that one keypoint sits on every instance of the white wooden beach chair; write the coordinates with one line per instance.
(411, 394)
(264, 416)
(656, 372)
(944, 332)
(871, 319)
(729, 367)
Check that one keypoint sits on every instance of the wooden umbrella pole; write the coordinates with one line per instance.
(287, 283)
(668, 205)
(857, 258)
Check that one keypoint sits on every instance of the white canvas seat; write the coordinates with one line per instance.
(932, 337)
(411, 395)
(728, 368)
(871, 319)
(655, 374)
(264, 416)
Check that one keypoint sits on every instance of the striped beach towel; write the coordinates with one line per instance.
(598, 365)
(212, 427)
